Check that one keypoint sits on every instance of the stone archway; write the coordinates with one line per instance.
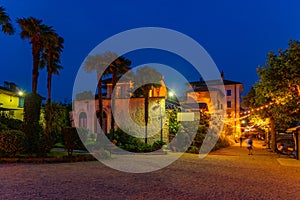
(83, 120)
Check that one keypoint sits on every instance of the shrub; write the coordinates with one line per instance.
(31, 126)
(130, 143)
(55, 118)
(45, 145)
(73, 139)
(12, 142)
(7, 123)
(182, 141)
(193, 149)
(101, 153)
(3, 127)
(221, 143)
(157, 145)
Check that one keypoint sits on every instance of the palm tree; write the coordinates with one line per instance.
(53, 46)
(95, 62)
(148, 79)
(119, 66)
(5, 22)
(36, 32)
(105, 64)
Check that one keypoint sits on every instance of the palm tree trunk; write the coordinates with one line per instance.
(48, 104)
(146, 103)
(112, 121)
(100, 104)
(48, 117)
(35, 69)
(49, 82)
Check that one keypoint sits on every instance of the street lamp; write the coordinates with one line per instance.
(20, 93)
(171, 94)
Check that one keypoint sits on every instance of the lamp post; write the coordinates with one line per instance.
(160, 118)
(20, 93)
(161, 130)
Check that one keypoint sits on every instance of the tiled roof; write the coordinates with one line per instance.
(214, 82)
(8, 91)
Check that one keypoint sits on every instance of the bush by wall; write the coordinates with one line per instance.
(12, 142)
(130, 143)
(8, 123)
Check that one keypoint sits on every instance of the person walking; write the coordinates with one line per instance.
(250, 145)
(241, 141)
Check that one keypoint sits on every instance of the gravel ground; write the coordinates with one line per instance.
(225, 174)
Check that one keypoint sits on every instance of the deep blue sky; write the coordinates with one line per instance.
(237, 34)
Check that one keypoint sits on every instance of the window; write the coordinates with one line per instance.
(228, 93)
(228, 104)
(21, 102)
(82, 120)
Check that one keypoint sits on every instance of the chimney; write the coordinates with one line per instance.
(222, 75)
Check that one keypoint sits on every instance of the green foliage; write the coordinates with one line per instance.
(74, 139)
(12, 142)
(30, 125)
(59, 145)
(56, 117)
(193, 149)
(186, 140)
(8, 123)
(3, 127)
(130, 143)
(185, 132)
(280, 82)
(126, 141)
(46, 143)
(157, 145)
(198, 140)
(5, 22)
(182, 140)
(173, 123)
(221, 143)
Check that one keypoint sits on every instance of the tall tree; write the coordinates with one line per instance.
(5, 22)
(53, 46)
(119, 66)
(146, 79)
(279, 83)
(37, 33)
(96, 63)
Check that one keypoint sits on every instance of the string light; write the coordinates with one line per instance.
(250, 111)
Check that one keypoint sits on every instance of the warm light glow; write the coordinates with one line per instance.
(171, 94)
(20, 93)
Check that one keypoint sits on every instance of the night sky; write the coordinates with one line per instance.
(237, 34)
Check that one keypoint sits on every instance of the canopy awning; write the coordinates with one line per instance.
(293, 129)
